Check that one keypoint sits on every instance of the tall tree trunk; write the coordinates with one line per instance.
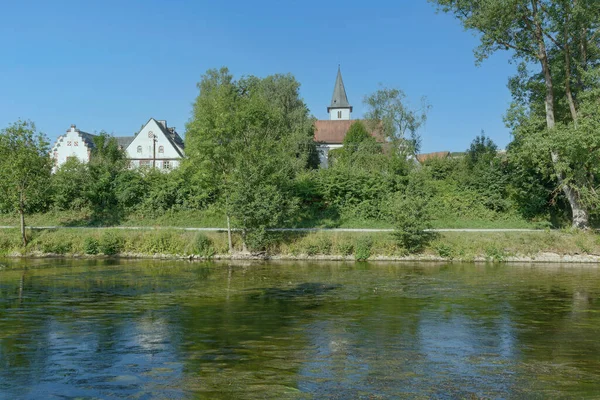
(568, 91)
(22, 219)
(580, 214)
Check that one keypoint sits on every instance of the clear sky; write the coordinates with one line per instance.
(112, 64)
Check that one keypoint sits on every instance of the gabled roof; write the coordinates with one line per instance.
(334, 131)
(124, 141)
(339, 98)
(171, 135)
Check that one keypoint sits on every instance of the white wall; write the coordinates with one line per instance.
(333, 114)
(69, 145)
(323, 150)
(144, 142)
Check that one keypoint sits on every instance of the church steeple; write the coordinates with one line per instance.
(339, 107)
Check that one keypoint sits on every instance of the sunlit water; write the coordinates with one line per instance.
(100, 329)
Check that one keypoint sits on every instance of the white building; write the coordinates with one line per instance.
(155, 145)
(330, 134)
(73, 144)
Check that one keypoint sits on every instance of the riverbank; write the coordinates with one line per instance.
(534, 246)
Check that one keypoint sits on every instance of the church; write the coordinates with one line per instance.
(330, 134)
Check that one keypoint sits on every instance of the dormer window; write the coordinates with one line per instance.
(139, 149)
(339, 115)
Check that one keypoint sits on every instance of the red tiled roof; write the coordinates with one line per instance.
(334, 132)
(429, 156)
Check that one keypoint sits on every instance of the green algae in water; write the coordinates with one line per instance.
(102, 329)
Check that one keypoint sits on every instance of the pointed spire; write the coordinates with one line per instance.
(339, 98)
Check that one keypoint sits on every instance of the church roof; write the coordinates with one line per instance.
(339, 98)
(334, 131)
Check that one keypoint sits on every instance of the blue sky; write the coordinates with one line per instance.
(111, 65)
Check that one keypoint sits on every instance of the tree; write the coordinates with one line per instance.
(482, 149)
(107, 161)
(247, 140)
(390, 115)
(543, 32)
(25, 167)
(69, 185)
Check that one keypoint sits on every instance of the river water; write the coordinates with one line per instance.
(146, 329)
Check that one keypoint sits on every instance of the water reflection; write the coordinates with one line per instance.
(179, 330)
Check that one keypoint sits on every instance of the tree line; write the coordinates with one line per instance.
(250, 152)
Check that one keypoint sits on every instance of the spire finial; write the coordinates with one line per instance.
(339, 98)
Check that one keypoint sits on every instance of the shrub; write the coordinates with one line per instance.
(91, 246)
(110, 243)
(344, 248)
(362, 248)
(445, 250)
(411, 220)
(55, 245)
(204, 246)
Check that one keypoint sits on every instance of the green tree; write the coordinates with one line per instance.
(482, 149)
(390, 114)
(546, 32)
(107, 161)
(25, 167)
(69, 184)
(247, 141)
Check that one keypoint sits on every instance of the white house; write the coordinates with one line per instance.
(73, 144)
(155, 145)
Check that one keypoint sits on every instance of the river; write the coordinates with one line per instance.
(169, 329)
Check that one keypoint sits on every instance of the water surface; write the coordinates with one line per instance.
(120, 329)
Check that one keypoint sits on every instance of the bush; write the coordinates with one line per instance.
(91, 246)
(411, 220)
(445, 250)
(362, 248)
(344, 248)
(55, 245)
(204, 246)
(110, 243)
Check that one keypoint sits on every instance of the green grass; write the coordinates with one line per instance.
(216, 219)
(354, 245)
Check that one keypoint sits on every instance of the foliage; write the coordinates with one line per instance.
(69, 185)
(24, 169)
(107, 161)
(399, 124)
(362, 248)
(411, 220)
(110, 243)
(91, 246)
(247, 140)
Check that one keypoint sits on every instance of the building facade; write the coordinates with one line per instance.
(156, 146)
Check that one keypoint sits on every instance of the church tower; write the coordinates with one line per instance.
(339, 109)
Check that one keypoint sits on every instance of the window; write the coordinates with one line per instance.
(161, 149)
(76, 144)
(139, 149)
(166, 164)
(69, 143)
(145, 163)
(339, 115)
(151, 135)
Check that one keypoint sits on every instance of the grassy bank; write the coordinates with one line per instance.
(462, 246)
(213, 218)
